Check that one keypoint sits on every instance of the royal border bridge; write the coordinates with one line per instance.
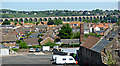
(63, 18)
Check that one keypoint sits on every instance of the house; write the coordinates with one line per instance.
(70, 41)
(86, 28)
(75, 30)
(88, 56)
(34, 35)
(100, 26)
(89, 42)
(28, 24)
(90, 51)
(47, 39)
(31, 41)
(96, 28)
(48, 36)
(40, 27)
(74, 24)
(9, 40)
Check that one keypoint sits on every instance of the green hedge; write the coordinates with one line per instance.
(14, 49)
(34, 46)
(72, 45)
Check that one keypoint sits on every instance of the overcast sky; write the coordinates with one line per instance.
(60, 0)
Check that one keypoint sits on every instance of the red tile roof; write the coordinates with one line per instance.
(90, 42)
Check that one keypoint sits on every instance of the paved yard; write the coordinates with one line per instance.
(27, 59)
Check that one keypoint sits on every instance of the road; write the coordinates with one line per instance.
(27, 59)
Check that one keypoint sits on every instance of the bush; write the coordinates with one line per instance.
(35, 46)
(23, 45)
(75, 45)
(68, 45)
(51, 44)
(14, 49)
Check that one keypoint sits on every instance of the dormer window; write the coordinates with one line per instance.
(75, 24)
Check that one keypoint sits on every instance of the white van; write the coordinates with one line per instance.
(64, 60)
(54, 56)
(45, 48)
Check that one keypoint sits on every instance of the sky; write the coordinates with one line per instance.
(41, 5)
(60, 0)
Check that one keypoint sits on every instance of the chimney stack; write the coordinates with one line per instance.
(81, 32)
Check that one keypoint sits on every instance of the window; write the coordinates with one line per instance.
(75, 25)
(64, 59)
(70, 58)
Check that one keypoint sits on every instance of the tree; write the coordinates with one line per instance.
(118, 23)
(65, 32)
(49, 43)
(57, 39)
(58, 22)
(15, 23)
(76, 35)
(103, 21)
(6, 23)
(23, 45)
(50, 22)
(40, 35)
(37, 23)
(18, 41)
(39, 40)
(28, 34)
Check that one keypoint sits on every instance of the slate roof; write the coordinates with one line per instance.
(70, 41)
(9, 38)
(40, 26)
(31, 41)
(86, 26)
(34, 35)
(101, 45)
(90, 42)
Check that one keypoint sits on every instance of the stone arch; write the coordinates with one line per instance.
(1, 20)
(30, 19)
(25, 20)
(35, 20)
(40, 19)
(11, 20)
(80, 19)
(55, 18)
(20, 20)
(59, 18)
(72, 19)
(83, 18)
(49, 19)
(101, 18)
(76, 19)
(45, 19)
(16, 20)
(94, 17)
(104, 17)
(91, 18)
(87, 18)
(6, 20)
(97, 17)
(63, 19)
(68, 19)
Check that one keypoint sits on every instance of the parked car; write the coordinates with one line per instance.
(64, 60)
(31, 50)
(37, 50)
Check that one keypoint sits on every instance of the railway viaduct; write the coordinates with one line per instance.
(63, 18)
